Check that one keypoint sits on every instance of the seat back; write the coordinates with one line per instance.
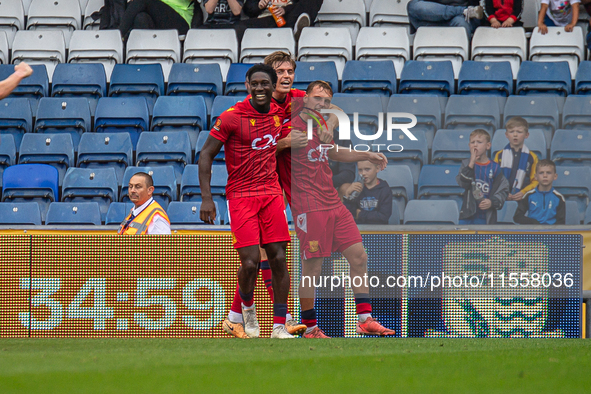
(431, 212)
(376, 77)
(103, 46)
(54, 149)
(544, 78)
(473, 112)
(427, 77)
(188, 212)
(307, 72)
(486, 78)
(258, 43)
(80, 80)
(154, 46)
(326, 43)
(106, 150)
(384, 43)
(73, 213)
(211, 46)
(204, 80)
(20, 213)
(46, 47)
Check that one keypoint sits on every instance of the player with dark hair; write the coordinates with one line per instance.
(249, 131)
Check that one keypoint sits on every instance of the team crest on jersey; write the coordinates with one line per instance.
(277, 121)
(314, 246)
(252, 122)
(217, 124)
(302, 222)
(230, 109)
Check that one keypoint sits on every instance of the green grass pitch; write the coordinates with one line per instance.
(377, 365)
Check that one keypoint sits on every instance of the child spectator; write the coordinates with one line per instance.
(558, 13)
(373, 204)
(485, 185)
(543, 205)
(502, 13)
(222, 14)
(517, 161)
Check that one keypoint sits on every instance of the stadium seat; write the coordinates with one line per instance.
(211, 46)
(587, 215)
(154, 46)
(236, 78)
(574, 183)
(543, 78)
(383, 43)
(165, 186)
(39, 47)
(401, 183)
(106, 150)
(4, 49)
(571, 147)
(191, 190)
(69, 115)
(336, 13)
(62, 15)
(204, 80)
(188, 212)
(222, 103)
(258, 43)
(583, 79)
(529, 16)
(427, 110)
(385, 13)
(414, 155)
(376, 77)
(7, 152)
(31, 182)
(367, 107)
(485, 79)
(92, 6)
(73, 213)
(577, 113)
(33, 87)
(433, 212)
(536, 142)
(505, 214)
(26, 5)
(427, 77)
(573, 216)
(16, 118)
(176, 113)
(540, 113)
(91, 184)
(394, 219)
(557, 46)
(20, 213)
(439, 183)
(80, 80)
(132, 80)
(451, 146)
(122, 114)
(500, 45)
(164, 149)
(53, 149)
(307, 72)
(442, 43)
(201, 141)
(117, 212)
(105, 46)
(12, 19)
(472, 112)
(326, 44)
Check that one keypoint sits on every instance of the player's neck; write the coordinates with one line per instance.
(278, 96)
(262, 109)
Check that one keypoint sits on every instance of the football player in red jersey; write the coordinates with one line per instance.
(323, 224)
(249, 131)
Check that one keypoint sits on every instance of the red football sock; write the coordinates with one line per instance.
(267, 278)
(237, 301)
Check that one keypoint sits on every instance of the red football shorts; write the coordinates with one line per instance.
(323, 232)
(258, 220)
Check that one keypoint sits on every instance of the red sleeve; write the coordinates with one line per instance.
(222, 129)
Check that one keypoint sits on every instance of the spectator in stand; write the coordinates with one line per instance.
(464, 13)
(502, 13)
(222, 14)
(558, 13)
(373, 204)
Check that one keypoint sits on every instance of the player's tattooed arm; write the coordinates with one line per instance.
(210, 149)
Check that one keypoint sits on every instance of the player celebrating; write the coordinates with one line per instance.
(323, 223)
(249, 131)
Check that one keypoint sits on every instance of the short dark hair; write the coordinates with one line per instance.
(147, 177)
(546, 163)
(262, 68)
(321, 84)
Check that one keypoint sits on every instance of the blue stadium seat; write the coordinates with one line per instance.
(544, 78)
(16, 118)
(73, 213)
(122, 115)
(201, 141)
(188, 212)
(427, 77)
(395, 217)
(571, 147)
(540, 113)
(433, 212)
(505, 214)
(369, 77)
(587, 215)
(174, 113)
(106, 150)
(401, 183)
(31, 182)
(20, 213)
(367, 107)
(575, 185)
(439, 183)
(573, 217)
(235, 79)
(144, 80)
(427, 110)
(576, 113)
(70, 115)
(473, 112)
(536, 142)
(80, 80)
(7, 153)
(117, 212)
(450, 146)
(415, 153)
(204, 80)
(583, 78)
(307, 72)
(33, 87)
(485, 79)
(53, 149)
(164, 149)
(222, 103)
(165, 186)
(91, 184)
(191, 191)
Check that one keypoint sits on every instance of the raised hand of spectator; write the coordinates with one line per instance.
(354, 187)
(264, 4)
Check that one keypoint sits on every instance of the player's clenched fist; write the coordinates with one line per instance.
(298, 139)
(23, 69)
(207, 212)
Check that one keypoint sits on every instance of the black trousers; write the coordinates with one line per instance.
(151, 14)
